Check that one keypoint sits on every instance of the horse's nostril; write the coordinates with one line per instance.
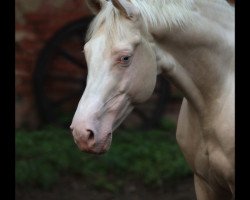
(90, 134)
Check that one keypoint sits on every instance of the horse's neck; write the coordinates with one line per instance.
(198, 57)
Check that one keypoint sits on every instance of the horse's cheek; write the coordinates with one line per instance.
(143, 87)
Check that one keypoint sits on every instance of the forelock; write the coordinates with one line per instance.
(109, 20)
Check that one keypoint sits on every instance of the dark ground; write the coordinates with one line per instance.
(72, 189)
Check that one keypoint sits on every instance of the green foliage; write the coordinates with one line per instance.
(168, 125)
(150, 156)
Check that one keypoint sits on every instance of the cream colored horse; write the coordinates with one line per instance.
(191, 42)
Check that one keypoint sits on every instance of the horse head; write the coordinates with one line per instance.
(121, 73)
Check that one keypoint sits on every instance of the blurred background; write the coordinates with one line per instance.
(144, 160)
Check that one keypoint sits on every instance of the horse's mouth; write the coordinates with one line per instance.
(96, 147)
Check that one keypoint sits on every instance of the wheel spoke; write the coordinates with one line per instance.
(65, 78)
(141, 114)
(71, 58)
(67, 98)
(80, 34)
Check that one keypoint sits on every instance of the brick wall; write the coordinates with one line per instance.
(36, 21)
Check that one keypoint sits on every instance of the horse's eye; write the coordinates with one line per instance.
(125, 60)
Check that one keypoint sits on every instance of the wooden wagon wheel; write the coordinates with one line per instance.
(60, 79)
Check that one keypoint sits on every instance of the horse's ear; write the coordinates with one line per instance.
(95, 5)
(126, 8)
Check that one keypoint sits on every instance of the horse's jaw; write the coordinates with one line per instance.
(92, 130)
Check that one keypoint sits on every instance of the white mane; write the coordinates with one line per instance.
(166, 12)
(159, 13)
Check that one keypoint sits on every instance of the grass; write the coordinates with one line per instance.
(152, 157)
